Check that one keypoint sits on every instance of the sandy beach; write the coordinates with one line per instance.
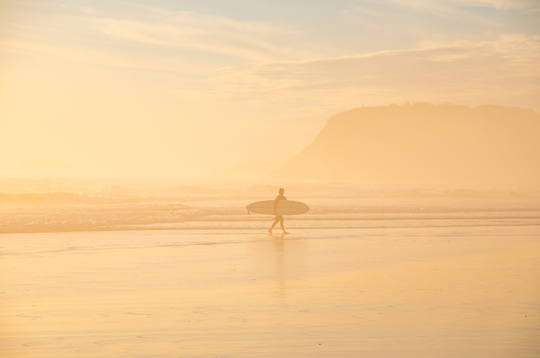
(374, 292)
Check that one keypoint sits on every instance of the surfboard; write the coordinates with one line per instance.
(285, 207)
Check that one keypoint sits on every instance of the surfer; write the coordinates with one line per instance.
(279, 218)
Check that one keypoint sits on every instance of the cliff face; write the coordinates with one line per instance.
(424, 144)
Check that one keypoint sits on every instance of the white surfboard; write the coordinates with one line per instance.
(285, 207)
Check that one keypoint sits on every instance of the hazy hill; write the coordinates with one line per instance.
(424, 144)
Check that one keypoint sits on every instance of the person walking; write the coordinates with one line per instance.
(278, 218)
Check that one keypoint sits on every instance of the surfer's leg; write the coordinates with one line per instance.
(273, 224)
(282, 226)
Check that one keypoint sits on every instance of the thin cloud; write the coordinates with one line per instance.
(446, 4)
(93, 56)
(119, 39)
(248, 40)
(502, 4)
(466, 71)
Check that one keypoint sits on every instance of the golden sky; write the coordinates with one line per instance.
(189, 87)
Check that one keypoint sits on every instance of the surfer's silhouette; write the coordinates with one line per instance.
(279, 218)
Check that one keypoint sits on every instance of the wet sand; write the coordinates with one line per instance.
(410, 292)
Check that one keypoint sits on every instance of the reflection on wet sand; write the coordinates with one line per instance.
(278, 258)
(279, 250)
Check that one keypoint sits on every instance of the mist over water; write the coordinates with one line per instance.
(88, 204)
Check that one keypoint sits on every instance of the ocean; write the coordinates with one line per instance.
(98, 204)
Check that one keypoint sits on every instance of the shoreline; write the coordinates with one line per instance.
(172, 228)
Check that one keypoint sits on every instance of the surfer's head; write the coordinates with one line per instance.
(281, 191)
